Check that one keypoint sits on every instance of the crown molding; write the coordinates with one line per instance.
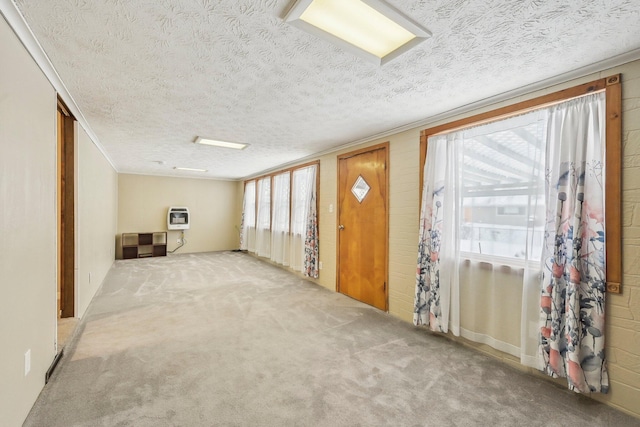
(16, 21)
(585, 71)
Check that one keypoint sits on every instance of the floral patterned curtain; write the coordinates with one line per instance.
(243, 238)
(574, 280)
(568, 279)
(310, 267)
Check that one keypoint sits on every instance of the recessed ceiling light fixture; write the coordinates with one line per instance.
(224, 144)
(371, 29)
(190, 169)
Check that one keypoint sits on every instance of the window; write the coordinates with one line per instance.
(281, 193)
(280, 218)
(551, 168)
(303, 192)
(510, 210)
(490, 235)
(302, 181)
(283, 206)
(264, 204)
(263, 218)
(248, 232)
(501, 174)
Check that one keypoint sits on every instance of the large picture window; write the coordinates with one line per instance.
(611, 87)
(502, 187)
(520, 230)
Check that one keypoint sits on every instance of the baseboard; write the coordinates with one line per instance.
(53, 366)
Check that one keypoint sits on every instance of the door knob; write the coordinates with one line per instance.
(341, 227)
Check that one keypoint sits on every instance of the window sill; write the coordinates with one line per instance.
(490, 262)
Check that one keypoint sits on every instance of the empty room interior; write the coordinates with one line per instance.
(277, 212)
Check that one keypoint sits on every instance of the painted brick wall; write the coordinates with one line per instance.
(623, 346)
(623, 349)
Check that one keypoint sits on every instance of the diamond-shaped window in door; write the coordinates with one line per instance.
(360, 189)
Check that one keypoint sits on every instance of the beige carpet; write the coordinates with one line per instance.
(66, 329)
(223, 339)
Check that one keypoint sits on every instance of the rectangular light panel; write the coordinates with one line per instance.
(371, 28)
(224, 144)
(190, 169)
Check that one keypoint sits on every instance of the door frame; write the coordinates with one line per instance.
(382, 146)
(66, 212)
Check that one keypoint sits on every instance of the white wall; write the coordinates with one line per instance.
(213, 208)
(28, 227)
(96, 213)
(28, 224)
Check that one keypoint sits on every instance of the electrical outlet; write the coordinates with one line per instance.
(320, 265)
(178, 241)
(27, 362)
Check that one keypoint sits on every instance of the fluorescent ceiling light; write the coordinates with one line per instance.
(190, 169)
(370, 28)
(224, 144)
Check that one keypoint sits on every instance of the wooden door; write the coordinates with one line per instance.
(60, 303)
(363, 225)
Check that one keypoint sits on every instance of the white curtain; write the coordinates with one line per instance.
(437, 248)
(516, 263)
(263, 220)
(479, 246)
(248, 222)
(280, 221)
(502, 276)
(302, 247)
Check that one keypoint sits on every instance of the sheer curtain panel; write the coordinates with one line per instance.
(511, 247)
(248, 221)
(263, 220)
(280, 221)
(304, 222)
(437, 246)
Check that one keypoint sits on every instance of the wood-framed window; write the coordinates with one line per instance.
(611, 85)
(293, 198)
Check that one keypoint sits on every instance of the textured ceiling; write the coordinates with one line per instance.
(151, 75)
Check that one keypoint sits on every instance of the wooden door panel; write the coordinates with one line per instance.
(363, 240)
(66, 211)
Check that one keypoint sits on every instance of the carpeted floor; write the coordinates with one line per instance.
(223, 339)
(66, 329)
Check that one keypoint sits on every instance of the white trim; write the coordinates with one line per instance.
(530, 361)
(165, 175)
(490, 341)
(16, 21)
